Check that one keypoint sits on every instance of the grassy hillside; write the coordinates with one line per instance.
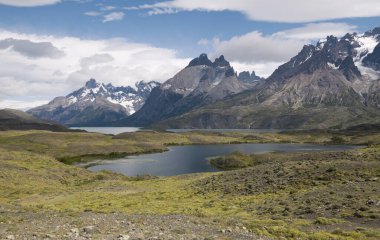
(230, 114)
(80, 146)
(293, 196)
(11, 119)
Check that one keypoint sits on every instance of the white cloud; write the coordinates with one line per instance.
(261, 69)
(158, 11)
(116, 61)
(31, 49)
(255, 47)
(28, 3)
(93, 14)
(203, 42)
(21, 105)
(107, 8)
(96, 59)
(274, 10)
(107, 17)
(114, 16)
(254, 51)
(317, 30)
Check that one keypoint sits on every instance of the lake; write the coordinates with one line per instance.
(108, 130)
(118, 130)
(231, 130)
(194, 158)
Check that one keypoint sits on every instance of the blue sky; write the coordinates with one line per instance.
(180, 31)
(123, 41)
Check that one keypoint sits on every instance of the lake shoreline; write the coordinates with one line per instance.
(85, 158)
(189, 159)
(278, 197)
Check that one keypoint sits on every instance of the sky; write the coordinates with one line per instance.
(49, 48)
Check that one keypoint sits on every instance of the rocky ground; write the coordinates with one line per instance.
(20, 224)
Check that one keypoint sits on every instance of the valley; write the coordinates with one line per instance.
(295, 195)
(189, 120)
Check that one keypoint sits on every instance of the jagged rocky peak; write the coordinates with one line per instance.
(143, 85)
(306, 52)
(221, 62)
(349, 69)
(202, 60)
(349, 36)
(373, 32)
(248, 77)
(347, 63)
(145, 88)
(230, 72)
(91, 83)
(372, 60)
(331, 39)
(245, 75)
(254, 76)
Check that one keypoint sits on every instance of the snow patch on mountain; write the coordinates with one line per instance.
(366, 46)
(128, 97)
(96, 104)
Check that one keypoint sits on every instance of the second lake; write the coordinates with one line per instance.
(194, 158)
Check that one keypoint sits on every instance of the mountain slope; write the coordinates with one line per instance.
(11, 119)
(334, 83)
(95, 104)
(202, 82)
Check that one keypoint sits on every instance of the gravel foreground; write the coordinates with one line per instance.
(21, 224)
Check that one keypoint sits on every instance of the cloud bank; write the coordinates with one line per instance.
(42, 67)
(291, 11)
(113, 16)
(31, 49)
(28, 3)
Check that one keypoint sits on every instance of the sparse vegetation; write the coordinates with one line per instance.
(235, 160)
(326, 195)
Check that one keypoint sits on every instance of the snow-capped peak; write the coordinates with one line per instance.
(357, 46)
(365, 45)
(129, 98)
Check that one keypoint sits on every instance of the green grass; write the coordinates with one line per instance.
(234, 160)
(292, 196)
(70, 147)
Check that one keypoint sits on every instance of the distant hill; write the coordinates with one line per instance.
(11, 119)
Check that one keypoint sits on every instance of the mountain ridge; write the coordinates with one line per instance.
(95, 104)
(329, 84)
(200, 83)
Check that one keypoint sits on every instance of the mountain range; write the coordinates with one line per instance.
(95, 104)
(201, 83)
(334, 83)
